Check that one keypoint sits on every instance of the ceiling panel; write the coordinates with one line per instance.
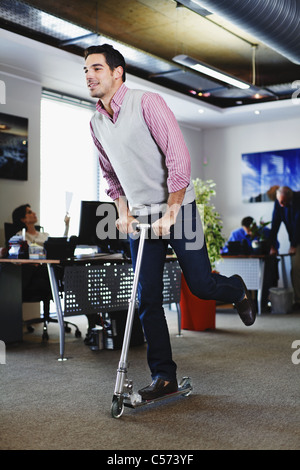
(149, 33)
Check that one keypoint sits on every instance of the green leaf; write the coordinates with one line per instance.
(211, 219)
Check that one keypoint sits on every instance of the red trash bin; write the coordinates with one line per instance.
(196, 314)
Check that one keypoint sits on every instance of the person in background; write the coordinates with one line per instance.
(36, 277)
(287, 210)
(246, 234)
(240, 234)
(24, 217)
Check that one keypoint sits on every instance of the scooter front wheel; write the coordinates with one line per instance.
(117, 407)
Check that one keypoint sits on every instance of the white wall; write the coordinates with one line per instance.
(223, 148)
(22, 99)
(194, 141)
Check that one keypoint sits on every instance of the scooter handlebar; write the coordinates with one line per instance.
(139, 227)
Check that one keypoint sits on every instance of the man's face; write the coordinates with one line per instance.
(100, 78)
(283, 200)
(247, 230)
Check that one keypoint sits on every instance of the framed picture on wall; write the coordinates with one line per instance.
(13, 147)
(262, 172)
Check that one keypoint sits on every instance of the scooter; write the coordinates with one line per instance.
(123, 392)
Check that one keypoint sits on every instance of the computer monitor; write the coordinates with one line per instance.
(97, 227)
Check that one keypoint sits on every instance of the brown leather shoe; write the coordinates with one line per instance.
(158, 388)
(245, 307)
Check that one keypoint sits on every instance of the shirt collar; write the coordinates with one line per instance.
(116, 102)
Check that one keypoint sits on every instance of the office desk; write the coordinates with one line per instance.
(104, 284)
(251, 269)
(91, 285)
(11, 324)
(283, 268)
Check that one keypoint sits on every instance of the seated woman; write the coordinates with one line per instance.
(24, 217)
(35, 277)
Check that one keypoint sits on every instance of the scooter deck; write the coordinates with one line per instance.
(184, 389)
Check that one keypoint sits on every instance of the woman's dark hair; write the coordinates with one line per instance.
(18, 214)
(113, 57)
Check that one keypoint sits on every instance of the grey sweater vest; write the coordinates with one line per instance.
(135, 157)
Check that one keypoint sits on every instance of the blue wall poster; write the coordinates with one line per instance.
(262, 172)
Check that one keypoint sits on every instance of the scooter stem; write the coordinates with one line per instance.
(122, 368)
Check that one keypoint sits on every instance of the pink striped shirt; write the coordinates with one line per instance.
(164, 129)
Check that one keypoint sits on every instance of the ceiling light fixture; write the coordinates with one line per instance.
(210, 71)
(193, 5)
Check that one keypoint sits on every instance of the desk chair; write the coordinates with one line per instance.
(10, 230)
(39, 291)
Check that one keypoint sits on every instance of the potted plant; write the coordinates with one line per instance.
(198, 314)
(211, 219)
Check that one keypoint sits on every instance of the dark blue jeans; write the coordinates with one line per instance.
(186, 239)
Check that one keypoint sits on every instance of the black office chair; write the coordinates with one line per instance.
(10, 230)
(37, 289)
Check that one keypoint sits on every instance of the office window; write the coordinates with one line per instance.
(69, 162)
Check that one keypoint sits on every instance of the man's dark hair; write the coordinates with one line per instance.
(18, 214)
(113, 57)
(247, 221)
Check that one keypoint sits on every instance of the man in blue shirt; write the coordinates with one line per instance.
(287, 210)
(245, 235)
(240, 234)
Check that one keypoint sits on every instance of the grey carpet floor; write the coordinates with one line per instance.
(245, 395)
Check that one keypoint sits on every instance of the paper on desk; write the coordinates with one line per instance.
(69, 197)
